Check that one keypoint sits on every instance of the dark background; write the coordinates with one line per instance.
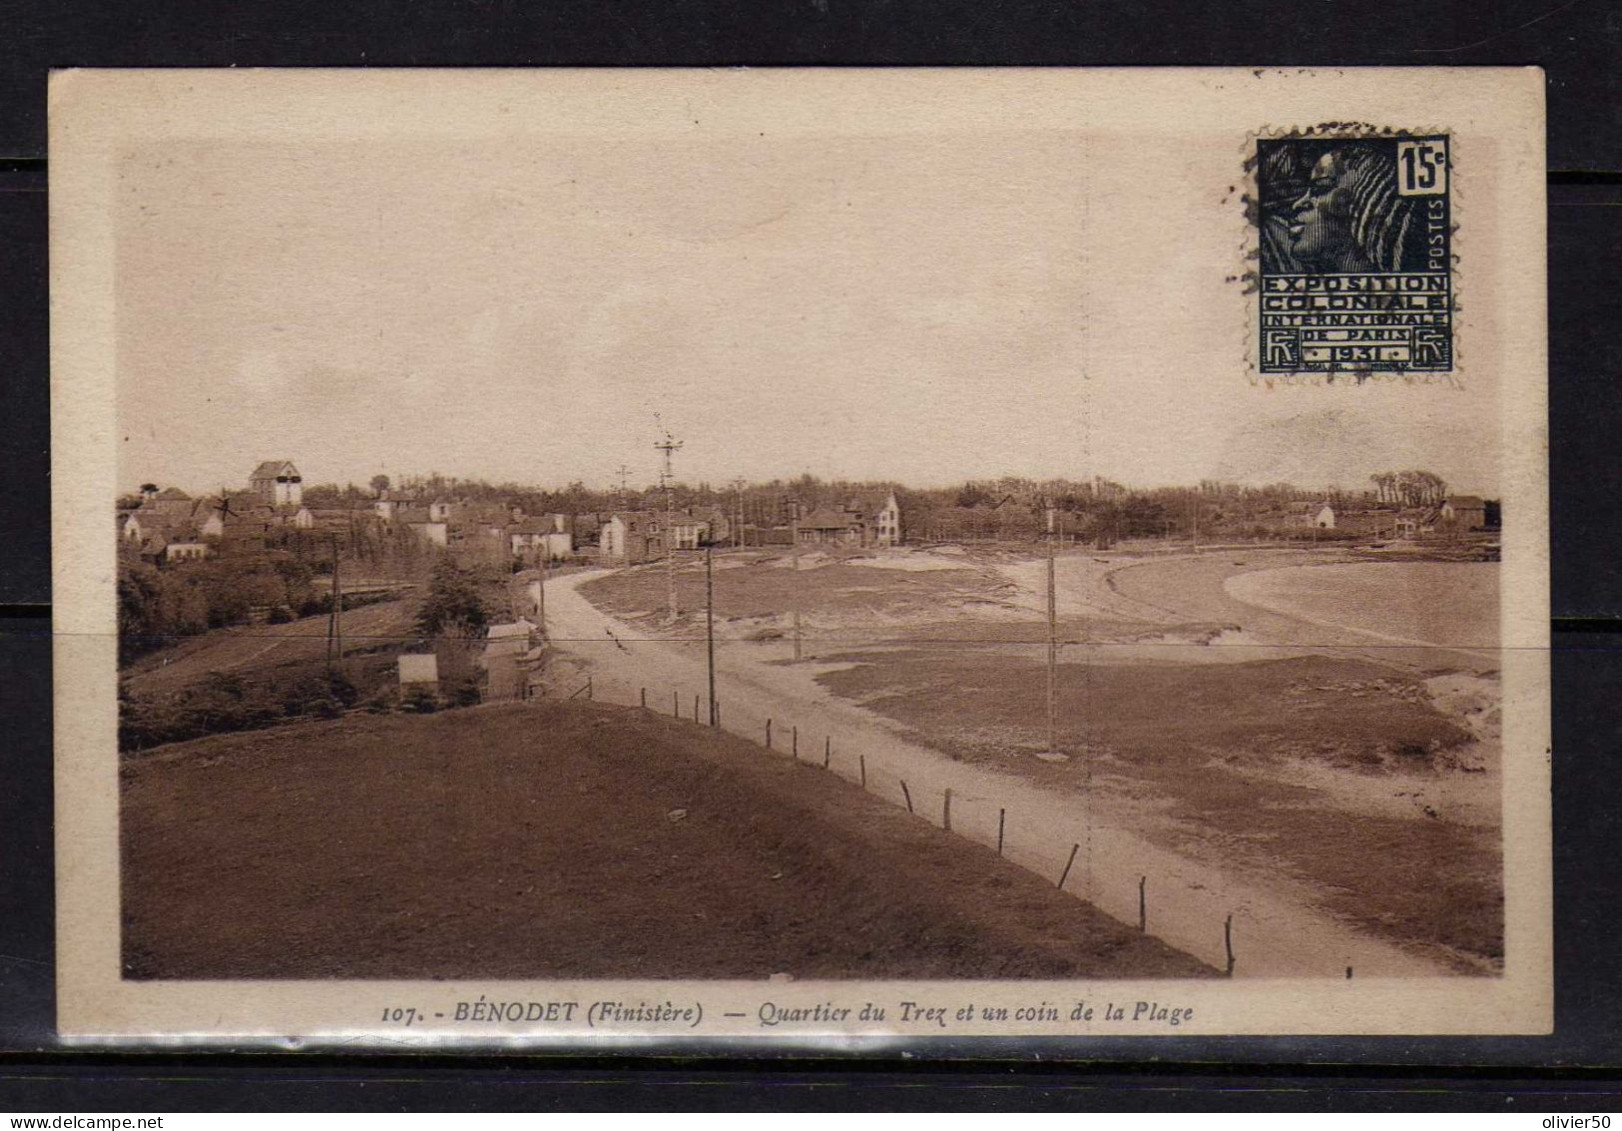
(1576, 42)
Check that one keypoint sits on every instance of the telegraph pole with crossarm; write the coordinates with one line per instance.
(669, 446)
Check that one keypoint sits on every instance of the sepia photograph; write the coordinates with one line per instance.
(561, 555)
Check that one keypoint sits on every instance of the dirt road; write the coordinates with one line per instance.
(1275, 931)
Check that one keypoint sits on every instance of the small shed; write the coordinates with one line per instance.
(419, 669)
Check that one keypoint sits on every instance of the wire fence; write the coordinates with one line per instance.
(1038, 847)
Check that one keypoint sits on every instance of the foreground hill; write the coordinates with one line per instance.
(558, 840)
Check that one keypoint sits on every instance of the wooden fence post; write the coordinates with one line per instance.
(1143, 905)
(1227, 941)
(589, 692)
(1002, 815)
(695, 706)
(1066, 875)
(946, 809)
(768, 734)
(827, 751)
(644, 698)
(862, 758)
(675, 702)
(907, 793)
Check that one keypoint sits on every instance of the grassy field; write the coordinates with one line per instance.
(566, 840)
(1333, 772)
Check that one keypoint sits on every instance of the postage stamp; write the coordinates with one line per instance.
(1355, 255)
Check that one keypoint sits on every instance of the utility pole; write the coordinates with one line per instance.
(335, 622)
(709, 618)
(1053, 642)
(794, 533)
(669, 445)
(540, 603)
(625, 478)
(737, 526)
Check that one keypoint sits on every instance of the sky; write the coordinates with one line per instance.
(916, 308)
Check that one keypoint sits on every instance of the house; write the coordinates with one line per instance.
(479, 523)
(718, 525)
(137, 528)
(506, 648)
(863, 522)
(417, 521)
(828, 525)
(170, 500)
(388, 503)
(299, 517)
(540, 538)
(630, 538)
(209, 521)
(688, 533)
(1320, 516)
(887, 523)
(149, 532)
(174, 506)
(277, 482)
(172, 518)
(1465, 512)
(440, 510)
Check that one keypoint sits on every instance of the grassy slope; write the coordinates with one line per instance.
(541, 841)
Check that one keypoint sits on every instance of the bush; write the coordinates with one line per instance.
(419, 700)
(224, 702)
(342, 688)
(327, 709)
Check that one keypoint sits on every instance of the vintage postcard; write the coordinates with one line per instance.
(813, 556)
